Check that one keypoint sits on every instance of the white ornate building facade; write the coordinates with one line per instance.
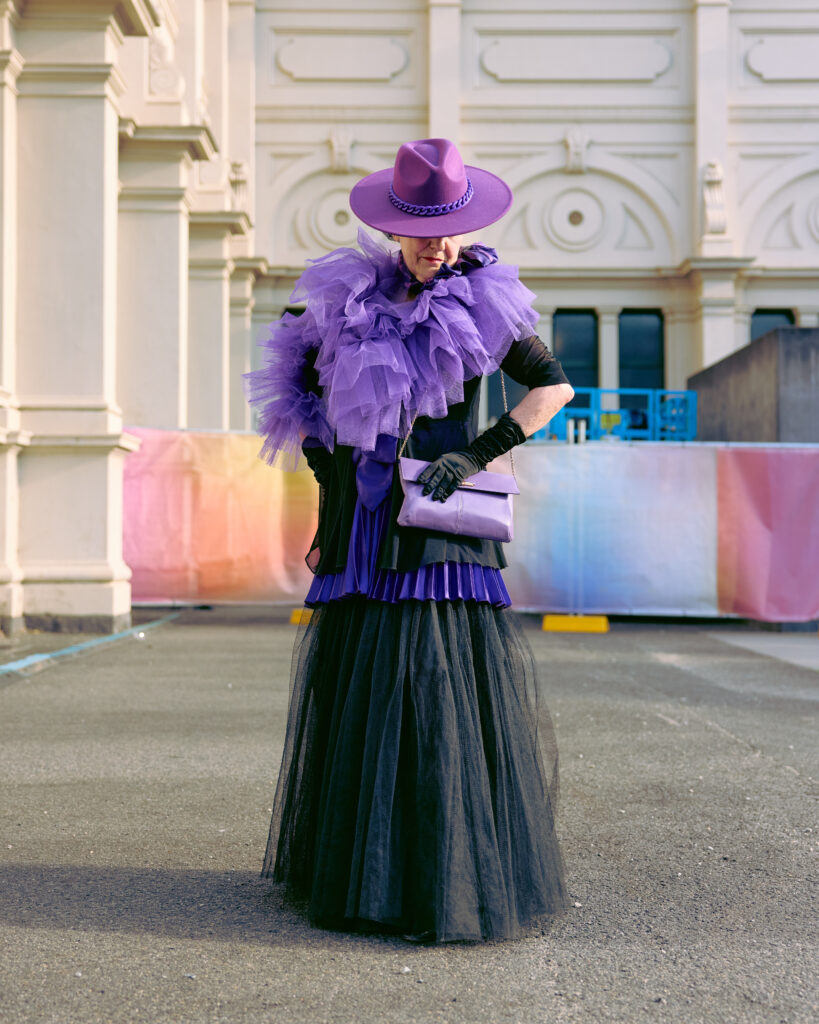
(166, 166)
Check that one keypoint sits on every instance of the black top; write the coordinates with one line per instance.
(528, 362)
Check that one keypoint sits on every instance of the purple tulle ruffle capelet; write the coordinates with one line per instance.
(374, 348)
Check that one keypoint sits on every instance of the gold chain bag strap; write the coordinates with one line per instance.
(480, 506)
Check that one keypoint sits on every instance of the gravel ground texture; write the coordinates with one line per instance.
(137, 779)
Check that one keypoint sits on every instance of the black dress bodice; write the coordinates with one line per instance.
(528, 362)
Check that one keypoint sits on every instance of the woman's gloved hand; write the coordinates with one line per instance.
(319, 460)
(446, 473)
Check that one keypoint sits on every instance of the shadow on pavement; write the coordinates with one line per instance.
(212, 905)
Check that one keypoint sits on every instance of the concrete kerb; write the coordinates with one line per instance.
(37, 662)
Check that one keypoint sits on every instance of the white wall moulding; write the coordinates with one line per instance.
(785, 56)
(581, 56)
(342, 56)
(713, 198)
(576, 141)
(165, 80)
(780, 213)
(618, 214)
(574, 220)
(300, 110)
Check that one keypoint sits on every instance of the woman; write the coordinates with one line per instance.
(412, 796)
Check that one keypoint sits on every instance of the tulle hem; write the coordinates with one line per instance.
(419, 779)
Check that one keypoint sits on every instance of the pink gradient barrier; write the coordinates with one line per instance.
(206, 520)
(768, 550)
(641, 528)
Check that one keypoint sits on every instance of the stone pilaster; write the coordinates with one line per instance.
(712, 177)
(209, 346)
(444, 69)
(608, 353)
(11, 438)
(70, 475)
(715, 293)
(678, 355)
(242, 341)
(156, 168)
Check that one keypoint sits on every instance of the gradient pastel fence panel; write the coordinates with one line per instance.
(206, 519)
(651, 529)
(769, 533)
(615, 528)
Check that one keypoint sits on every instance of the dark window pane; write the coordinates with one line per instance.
(574, 337)
(641, 349)
(764, 320)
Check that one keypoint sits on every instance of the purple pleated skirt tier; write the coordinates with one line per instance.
(441, 581)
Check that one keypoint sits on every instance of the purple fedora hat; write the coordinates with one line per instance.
(429, 193)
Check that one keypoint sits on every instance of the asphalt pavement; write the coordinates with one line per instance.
(136, 780)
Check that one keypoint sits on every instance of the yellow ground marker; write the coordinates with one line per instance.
(300, 616)
(576, 623)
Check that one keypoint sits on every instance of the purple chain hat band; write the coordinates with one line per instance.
(437, 210)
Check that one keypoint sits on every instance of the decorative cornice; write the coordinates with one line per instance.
(307, 112)
(42, 79)
(106, 442)
(195, 140)
(161, 199)
(256, 266)
(131, 17)
(715, 265)
(11, 67)
(234, 222)
(14, 438)
(557, 114)
(10, 9)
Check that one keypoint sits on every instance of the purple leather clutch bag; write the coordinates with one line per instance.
(480, 507)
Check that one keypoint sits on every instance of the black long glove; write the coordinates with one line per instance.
(319, 460)
(443, 476)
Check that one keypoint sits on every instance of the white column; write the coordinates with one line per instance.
(444, 69)
(715, 333)
(713, 168)
(190, 56)
(156, 165)
(545, 327)
(742, 325)
(11, 591)
(242, 110)
(209, 318)
(214, 175)
(608, 353)
(678, 355)
(70, 534)
(241, 338)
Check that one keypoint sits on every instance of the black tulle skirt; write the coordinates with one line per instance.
(418, 785)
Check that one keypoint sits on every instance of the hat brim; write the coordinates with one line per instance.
(370, 202)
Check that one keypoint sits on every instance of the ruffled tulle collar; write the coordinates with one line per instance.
(374, 348)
